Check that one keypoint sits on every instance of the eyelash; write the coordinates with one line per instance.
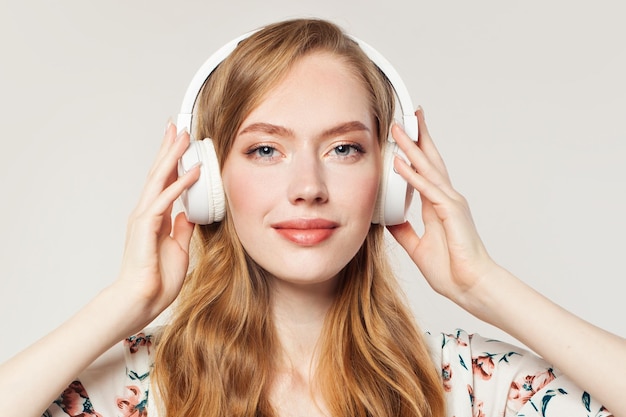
(254, 152)
(355, 147)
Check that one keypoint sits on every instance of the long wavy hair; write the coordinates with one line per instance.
(217, 356)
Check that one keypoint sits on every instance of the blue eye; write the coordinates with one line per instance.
(343, 150)
(346, 150)
(263, 151)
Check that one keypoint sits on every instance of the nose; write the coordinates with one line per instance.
(307, 184)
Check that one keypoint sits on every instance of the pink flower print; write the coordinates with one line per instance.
(75, 401)
(524, 388)
(477, 410)
(519, 394)
(133, 405)
(542, 379)
(477, 405)
(483, 366)
(133, 343)
(457, 339)
(446, 373)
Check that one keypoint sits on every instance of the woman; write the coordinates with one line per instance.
(290, 307)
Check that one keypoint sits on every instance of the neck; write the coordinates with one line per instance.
(299, 312)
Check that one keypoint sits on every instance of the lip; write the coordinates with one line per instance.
(306, 232)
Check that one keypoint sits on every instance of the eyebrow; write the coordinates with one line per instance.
(278, 130)
(268, 128)
(344, 128)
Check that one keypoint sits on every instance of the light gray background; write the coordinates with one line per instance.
(526, 101)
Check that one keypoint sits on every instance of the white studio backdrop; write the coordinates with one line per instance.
(525, 101)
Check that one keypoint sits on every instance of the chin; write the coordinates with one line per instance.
(305, 277)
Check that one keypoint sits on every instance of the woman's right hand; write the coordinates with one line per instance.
(156, 253)
(153, 270)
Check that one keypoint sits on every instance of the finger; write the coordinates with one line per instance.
(164, 201)
(182, 231)
(419, 159)
(426, 144)
(437, 194)
(164, 172)
(429, 215)
(166, 222)
(169, 137)
(160, 211)
(406, 236)
(170, 154)
(453, 218)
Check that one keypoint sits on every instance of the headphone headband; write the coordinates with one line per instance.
(186, 111)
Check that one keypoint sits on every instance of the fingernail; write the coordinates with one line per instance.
(196, 164)
(394, 165)
(180, 134)
(168, 125)
(396, 122)
(402, 157)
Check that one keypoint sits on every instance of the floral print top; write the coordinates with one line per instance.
(481, 377)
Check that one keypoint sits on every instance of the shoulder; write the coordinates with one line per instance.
(483, 376)
(117, 383)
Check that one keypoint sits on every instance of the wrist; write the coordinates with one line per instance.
(490, 294)
(119, 313)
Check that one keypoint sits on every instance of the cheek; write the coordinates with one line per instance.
(369, 191)
(360, 193)
(235, 190)
(250, 194)
(242, 193)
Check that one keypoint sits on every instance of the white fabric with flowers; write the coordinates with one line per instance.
(481, 377)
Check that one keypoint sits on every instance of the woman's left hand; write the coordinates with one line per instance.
(450, 254)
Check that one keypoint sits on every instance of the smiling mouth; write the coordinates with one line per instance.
(306, 232)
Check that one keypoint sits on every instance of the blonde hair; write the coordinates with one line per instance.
(216, 357)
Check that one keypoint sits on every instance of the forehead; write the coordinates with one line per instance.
(319, 90)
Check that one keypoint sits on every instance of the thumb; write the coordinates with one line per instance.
(182, 231)
(406, 236)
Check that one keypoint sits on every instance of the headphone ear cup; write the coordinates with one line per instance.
(394, 194)
(204, 202)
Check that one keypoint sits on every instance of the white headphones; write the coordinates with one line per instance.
(204, 202)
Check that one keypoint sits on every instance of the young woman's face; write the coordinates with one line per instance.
(302, 177)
